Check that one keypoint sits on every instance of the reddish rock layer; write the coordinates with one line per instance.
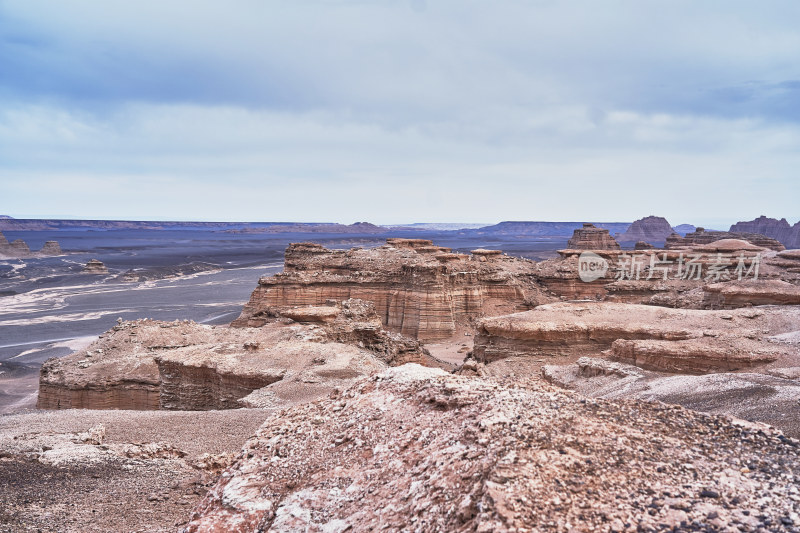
(591, 237)
(701, 236)
(417, 289)
(673, 340)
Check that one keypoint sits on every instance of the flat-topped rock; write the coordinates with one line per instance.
(729, 246)
(675, 337)
(700, 237)
(422, 295)
(397, 242)
(148, 364)
(752, 292)
(95, 266)
(590, 237)
(51, 248)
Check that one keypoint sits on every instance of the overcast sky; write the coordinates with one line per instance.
(400, 111)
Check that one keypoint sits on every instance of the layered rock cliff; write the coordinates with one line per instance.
(780, 230)
(673, 340)
(700, 236)
(671, 278)
(299, 355)
(95, 266)
(418, 289)
(590, 237)
(652, 230)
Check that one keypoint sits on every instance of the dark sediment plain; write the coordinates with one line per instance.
(348, 357)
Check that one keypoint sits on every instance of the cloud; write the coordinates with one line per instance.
(451, 110)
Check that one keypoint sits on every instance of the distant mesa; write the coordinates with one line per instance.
(779, 230)
(542, 229)
(590, 237)
(701, 237)
(95, 266)
(357, 227)
(641, 245)
(652, 230)
(683, 229)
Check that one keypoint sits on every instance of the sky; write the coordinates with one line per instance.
(397, 111)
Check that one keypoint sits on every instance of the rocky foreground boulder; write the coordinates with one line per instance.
(417, 449)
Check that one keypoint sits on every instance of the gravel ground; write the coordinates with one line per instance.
(147, 474)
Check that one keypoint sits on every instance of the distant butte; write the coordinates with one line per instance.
(590, 237)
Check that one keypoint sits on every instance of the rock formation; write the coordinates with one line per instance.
(671, 340)
(700, 236)
(752, 292)
(418, 289)
(780, 230)
(19, 249)
(95, 266)
(590, 237)
(418, 449)
(671, 278)
(51, 248)
(149, 364)
(652, 230)
(683, 229)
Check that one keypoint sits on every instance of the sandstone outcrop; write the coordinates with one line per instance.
(149, 364)
(19, 249)
(414, 448)
(671, 340)
(752, 292)
(780, 230)
(590, 237)
(652, 230)
(670, 278)
(418, 289)
(95, 266)
(51, 248)
(700, 237)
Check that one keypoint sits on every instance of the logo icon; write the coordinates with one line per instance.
(591, 266)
